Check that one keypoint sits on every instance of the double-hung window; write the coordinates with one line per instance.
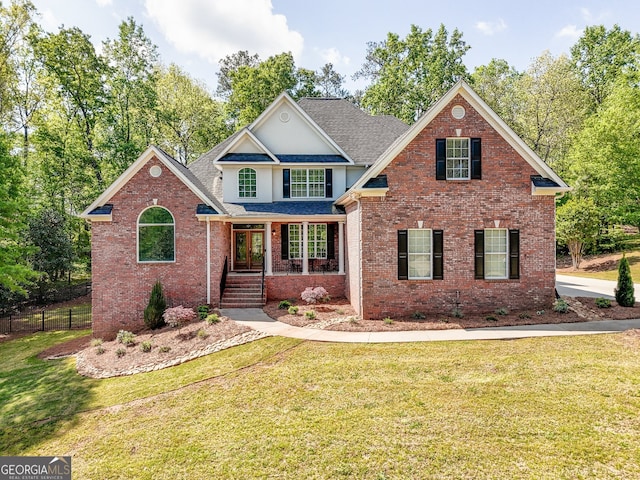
(497, 254)
(316, 241)
(307, 183)
(458, 160)
(420, 254)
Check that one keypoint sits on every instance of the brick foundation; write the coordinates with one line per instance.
(281, 287)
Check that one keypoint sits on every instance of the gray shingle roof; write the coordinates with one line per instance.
(362, 136)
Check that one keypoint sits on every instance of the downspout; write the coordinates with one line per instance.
(208, 261)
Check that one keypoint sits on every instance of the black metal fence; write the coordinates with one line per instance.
(78, 317)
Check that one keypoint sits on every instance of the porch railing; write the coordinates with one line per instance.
(264, 253)
(223, 278)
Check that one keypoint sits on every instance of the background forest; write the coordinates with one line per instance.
(73, 119)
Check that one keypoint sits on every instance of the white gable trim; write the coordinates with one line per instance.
(248, 134)
(134, 168)
(464, 90)
(285, 98)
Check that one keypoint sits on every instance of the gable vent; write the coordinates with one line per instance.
(284, 116)
(458, 112)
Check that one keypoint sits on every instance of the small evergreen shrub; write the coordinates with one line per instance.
(145, 346)
(293, 310)
(96, 342)
(524, 316)
(340, 311)
(418, 315)
(213, 318)
(284, 304)
(560, 306)
(624, 291)
(603, 302)
(100, 350)
(202, 334)
(121, 352)
(502, 311)
(457, 313)
(491, 318)
(165, 349)
(203, 311)
(353, 320)
(387, 320)
(156, 307)
(125, 338)
(178, 315)
(310, 314)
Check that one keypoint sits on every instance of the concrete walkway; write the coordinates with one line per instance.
(588, 287)
(258, 320)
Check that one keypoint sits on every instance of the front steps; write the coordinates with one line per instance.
(243, 290)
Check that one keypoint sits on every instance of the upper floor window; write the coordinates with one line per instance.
(307, 183)
(458, 159)
(247, 183)
(156, 235)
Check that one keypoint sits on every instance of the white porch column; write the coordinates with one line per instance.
(305, 248)
(340, 247)
(267, 246)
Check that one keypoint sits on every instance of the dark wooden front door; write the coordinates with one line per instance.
(249, 250)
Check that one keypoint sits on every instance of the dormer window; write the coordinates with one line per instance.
(247, 187)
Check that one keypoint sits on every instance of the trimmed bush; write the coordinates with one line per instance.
(293, 310)
(560, 306)
(624, 291)
(388, 320)
(125, 338)
(603, 302)
(203, 311)
(213, 318)
(156, 307)
(145, 346)
(284, 304)
(310, 314)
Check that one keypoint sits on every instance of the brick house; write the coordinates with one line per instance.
(454, 210)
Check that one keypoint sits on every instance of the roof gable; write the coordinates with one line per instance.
(172, 165)
(464, 90)
(243, 147)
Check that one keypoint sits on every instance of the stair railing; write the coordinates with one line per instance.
(223, 278)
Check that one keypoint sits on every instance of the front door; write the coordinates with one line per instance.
(249, 250)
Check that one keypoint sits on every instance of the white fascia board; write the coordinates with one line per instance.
(97, 218)
(252, 138)
(538, 191)
(278, 218)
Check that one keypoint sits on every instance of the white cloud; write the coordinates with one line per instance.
(491, 28)
(569, 31)
(333, 55)
(213, 29)
(104, 3)
(49, 22)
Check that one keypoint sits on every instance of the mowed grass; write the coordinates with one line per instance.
(278, 408)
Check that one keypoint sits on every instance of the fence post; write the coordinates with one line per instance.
(43, 320)
(69, 319)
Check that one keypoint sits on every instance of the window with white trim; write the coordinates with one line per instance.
(419, 253)
(496, 253)
(307, 183)
(458, 159)
(156, 235)
(316, 241)
(247, 186)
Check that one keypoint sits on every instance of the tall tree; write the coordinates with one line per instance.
(408, 75)
(600, 56)
(48, 232)
(134, 60)
(231, 63)
(331, 83)
(190, 122)
(577, 225)
(497, 84)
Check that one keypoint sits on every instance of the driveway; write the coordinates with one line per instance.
(588, 287)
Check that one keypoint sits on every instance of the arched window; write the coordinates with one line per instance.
(156, 236)
(247, 183)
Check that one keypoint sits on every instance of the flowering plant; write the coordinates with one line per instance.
(178, 315)
(312, 295)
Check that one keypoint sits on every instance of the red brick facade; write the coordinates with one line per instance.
(458, 208)
(282, 287)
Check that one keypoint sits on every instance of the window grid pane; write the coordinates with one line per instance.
(495, 253)
(317, 241)
(307, 183)
(299, 183)
(247, 183)
(419, 253)
(458, 159)
(295, 241)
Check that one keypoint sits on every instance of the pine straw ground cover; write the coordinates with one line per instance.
(338, 314)
(543, 408)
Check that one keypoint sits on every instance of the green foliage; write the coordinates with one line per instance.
(203, 311)
(293, 310)
(155, 308)
(560, 306)
(100, 350)
(95, 342)
(408, 75)
(284, 304)
(387, 320)
(310, 314)
(502, 311)
(624, 291)
(577, 224)
(212, 318)
(49, 233)
(457, 313)
(165, 349)
(202, 334)
(524, 316)
(418, 315)
(603, 302)
(120, 352)
(145, 346)
(491, 318)
(125, 337)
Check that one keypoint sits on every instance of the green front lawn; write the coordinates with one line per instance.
(551, 408)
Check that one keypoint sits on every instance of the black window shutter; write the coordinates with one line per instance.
(438, 247)
(403, 255)
(514, 254)
(476, 159)
(331, 246)
(286, 183)
(284, 241)
(328, 182)
(479, 254)
(441, 159)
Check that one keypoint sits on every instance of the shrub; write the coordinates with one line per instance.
(560, 306)
(121, 352)
(457, 313)
(156, 307)
(126, 338)
(145, 346)
(312, 295)
(491, 318)
(203, 311)
(284, 304)
(418, 315)
(293, 310)
(502, 311)
(310, 314)
(213, 318)
(603, 302)
(340, 311)
(100, 350)
(96, 342)
(524, 316)
(388, 320)
(624, 291)
(353, 320)
(178, 315)
(202, 334)
(165, 349)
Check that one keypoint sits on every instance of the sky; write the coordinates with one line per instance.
(196, 34)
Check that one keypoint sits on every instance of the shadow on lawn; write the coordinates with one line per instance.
(36, 399)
